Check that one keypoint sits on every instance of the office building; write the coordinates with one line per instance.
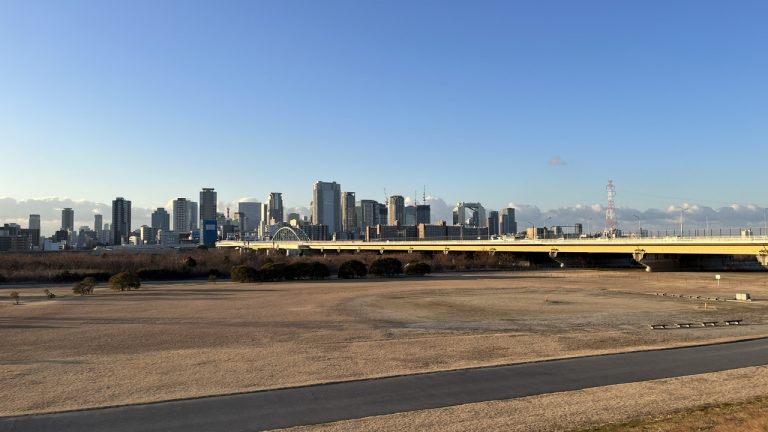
(252, 212)
(274, 209)
(423, 215)
(194, 213)
(121, 221)
(208, 204)
(326, 206)
(98, 225)
(382, 214)
(147, 234)
(469, 214)
(181, 215)
(294, 220)
(396, 210)
(68, 219)
(161, 220)
(34, 230)
(493, 223)
(315, 231)
(368, 214)
(508, 224)
(410, 215)
(13, 238)
(348, 212)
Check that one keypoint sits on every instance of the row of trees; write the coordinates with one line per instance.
(72, 267)
(352, 269)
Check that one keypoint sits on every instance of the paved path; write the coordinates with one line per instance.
(356, 399)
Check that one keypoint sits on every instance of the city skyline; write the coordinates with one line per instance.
(591, 216)
(543, 101)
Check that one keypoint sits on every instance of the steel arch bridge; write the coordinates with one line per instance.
(290, 234)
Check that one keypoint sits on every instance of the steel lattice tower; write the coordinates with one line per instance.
(611, 224)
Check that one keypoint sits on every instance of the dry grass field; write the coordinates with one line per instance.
(176, 340)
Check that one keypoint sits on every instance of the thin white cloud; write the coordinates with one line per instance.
(555, 161)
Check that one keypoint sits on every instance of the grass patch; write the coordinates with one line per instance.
(750, 416)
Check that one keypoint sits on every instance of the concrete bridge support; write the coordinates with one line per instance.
(762, 258)
(677, 262)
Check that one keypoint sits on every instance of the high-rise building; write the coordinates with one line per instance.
(423, 215)
(469, 214)
(493, 222)
(294, 219)
(34, 221)
(181, 215)
(382, 215)
(98, 224)
(147, 235)
(326, 206)
(68, 219)
(161, 220)
(34, 230)
(508, 223)
(369, 214)
(274, 209)
(193, 216)
(410, 215)
(396, 210)
(348, 213)
(252, 212)
(121, 220)
(208, 204)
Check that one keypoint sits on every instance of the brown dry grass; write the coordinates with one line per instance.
(750, 416)
(191, 339)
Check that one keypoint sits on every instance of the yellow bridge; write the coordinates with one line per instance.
(654, 253)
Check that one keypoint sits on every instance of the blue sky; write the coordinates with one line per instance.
(537, 103)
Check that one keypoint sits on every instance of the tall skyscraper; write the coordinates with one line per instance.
(508, 223)
(34, 230)
(193, 216)
(98, 225)
(161, 220)
(181, 215)
(208, 204)
(410, 215)
(326, 206)
(68, 219)
(348, 213)
(396, 210)
(469, 214)
(493, 222)
(382, 214)
(423, 215)
(252, 212)
(369, 214)
(121, 220)
(274, 208)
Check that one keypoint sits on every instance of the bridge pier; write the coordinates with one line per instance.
(678, 262)
(657, 262)
(762, 258)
